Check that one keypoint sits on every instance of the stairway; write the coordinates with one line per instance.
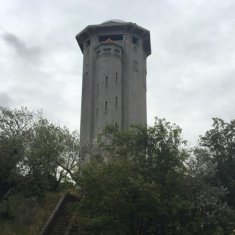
(59, 220)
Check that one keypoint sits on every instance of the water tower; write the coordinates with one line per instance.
(114, 76)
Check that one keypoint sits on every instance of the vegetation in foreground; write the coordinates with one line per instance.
(152, 184)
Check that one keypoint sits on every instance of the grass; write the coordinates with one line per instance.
(29, 219)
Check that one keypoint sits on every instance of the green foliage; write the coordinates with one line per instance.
(116, 198)
(139, 189)
(220, 144)
(14, 131)
(210, 177)
(150, 183)
(143, 181)
(52, 153)
(36, 157)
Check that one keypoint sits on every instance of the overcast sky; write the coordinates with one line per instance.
(191, 71)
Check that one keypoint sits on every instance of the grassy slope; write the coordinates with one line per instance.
(31, 223)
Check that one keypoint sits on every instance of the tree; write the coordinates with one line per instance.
(52, 155)
(37, 159)
(35, 154)
(138, 189)
(116, 199)
(211, 214)
(15, 127)
(151, 183)
(219, 142)
(211, 179)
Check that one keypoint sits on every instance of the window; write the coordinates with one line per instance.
(144, 78)
(107, 51)
(116, 78)
(135, 40)
(115, 37)
(135, 65)
(106, 81)
(106, 106)
(88, 43)
(86, 75)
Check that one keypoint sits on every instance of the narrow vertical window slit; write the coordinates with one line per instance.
(106, 106)
(116, 79)
(106, 81)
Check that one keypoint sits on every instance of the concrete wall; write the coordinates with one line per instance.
(136, 83)
(108, 92)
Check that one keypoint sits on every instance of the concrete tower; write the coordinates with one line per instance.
(114, 76)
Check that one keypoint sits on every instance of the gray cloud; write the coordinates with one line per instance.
(190, 72)
(30, 53)
(15, 42)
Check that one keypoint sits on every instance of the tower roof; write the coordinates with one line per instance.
(113, 25)
(113, 21)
